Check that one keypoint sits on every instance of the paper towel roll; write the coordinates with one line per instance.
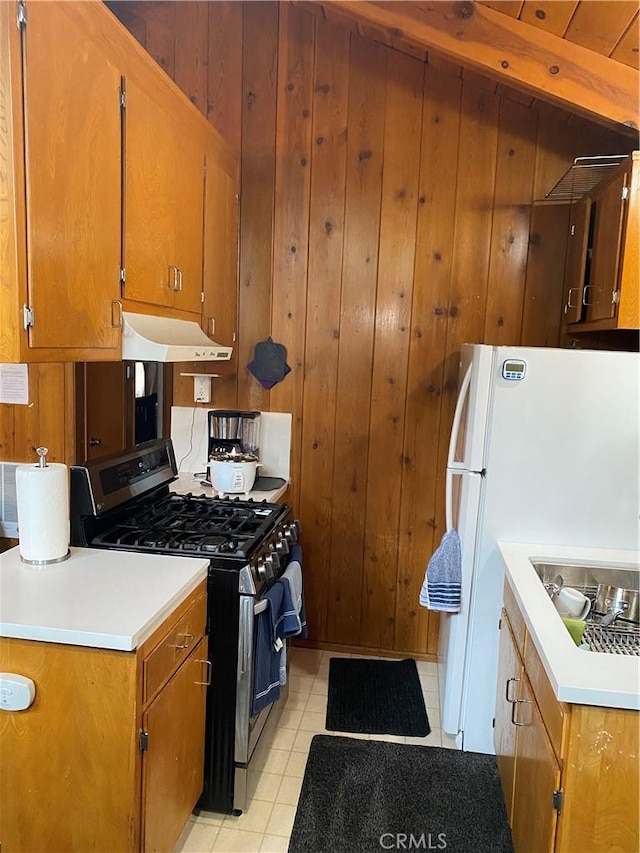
(43, 512)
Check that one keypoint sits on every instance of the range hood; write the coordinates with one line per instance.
(149, 338)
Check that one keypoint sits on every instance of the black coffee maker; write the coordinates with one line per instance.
(230, 429)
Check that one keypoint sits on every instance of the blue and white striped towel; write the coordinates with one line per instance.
(443, 579)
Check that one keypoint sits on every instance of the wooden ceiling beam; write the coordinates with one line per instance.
(510, 51)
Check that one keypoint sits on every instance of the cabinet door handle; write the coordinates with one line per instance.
(513, 712)
(186, 642)
(179, 287)
(569, 302)
(118, 323)
(585, 300)
(95, 442)
(173, 277)
(511, 681)
(209, 673)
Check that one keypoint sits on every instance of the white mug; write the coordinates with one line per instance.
(572, 603)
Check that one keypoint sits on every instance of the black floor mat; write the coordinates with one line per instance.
(376, 697)
(359, 796)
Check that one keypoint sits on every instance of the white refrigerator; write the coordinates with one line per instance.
(544, 449)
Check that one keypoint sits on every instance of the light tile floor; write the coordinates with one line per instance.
(275, 779)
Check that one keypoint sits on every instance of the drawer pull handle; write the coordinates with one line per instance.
(209, 672)
(511, 681)
(186, 642)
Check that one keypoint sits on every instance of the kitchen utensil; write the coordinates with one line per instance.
(232, 473)
(614, 602)
(572, 603)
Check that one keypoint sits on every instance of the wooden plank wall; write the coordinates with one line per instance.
(48, 419)
(386, 219)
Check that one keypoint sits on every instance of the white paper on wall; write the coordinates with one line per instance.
(14, 384)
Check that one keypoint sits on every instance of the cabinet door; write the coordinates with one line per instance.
(504, 736)
(105, 400)
(164, 189)
(220, 308)
(575, 268)
(610, 210)
(73, 181)
(172, 769)
(537, 777)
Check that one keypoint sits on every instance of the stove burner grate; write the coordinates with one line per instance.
(194, 525)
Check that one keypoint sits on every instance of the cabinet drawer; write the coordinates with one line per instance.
(174, 647)
(553, 712)
(515, 619)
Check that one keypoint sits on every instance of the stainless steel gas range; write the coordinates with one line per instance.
(123, 502)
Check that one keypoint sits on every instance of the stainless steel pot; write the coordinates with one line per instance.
(614, 602)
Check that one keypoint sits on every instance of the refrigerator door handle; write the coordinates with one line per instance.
(448, 504)
(457, 418)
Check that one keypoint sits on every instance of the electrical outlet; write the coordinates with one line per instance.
(202, 389)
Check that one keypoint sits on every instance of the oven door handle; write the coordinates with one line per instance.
(246, 632)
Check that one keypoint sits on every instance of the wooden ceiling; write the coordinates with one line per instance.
(607, 28)
(579, 54)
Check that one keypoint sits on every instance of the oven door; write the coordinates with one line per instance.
(248, 728)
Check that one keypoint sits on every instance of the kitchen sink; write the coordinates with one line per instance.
(586, 577)
(619, 637)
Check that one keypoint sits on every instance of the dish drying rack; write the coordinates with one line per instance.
(583, 176)
(619, 638)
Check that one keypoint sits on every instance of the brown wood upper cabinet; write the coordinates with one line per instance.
(601, 290)
(220, 304)
(102, 190)
(164, 201)
(60, 186)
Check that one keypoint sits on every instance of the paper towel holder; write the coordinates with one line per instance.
(42, 463)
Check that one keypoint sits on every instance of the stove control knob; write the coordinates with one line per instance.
(291, 532)
(270, 566)
(282, 546)
(261, 570)
(274, 556)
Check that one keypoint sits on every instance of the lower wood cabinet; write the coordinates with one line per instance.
(569, 773)
(537, 777)
(172, 763)
(93, 765)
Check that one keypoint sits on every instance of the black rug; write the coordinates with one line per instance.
(376, 697)
(363, 796)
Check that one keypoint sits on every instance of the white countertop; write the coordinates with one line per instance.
(188, 483)
(106, 599)
(578, 676)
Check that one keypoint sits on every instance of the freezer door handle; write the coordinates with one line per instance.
(457, 418)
